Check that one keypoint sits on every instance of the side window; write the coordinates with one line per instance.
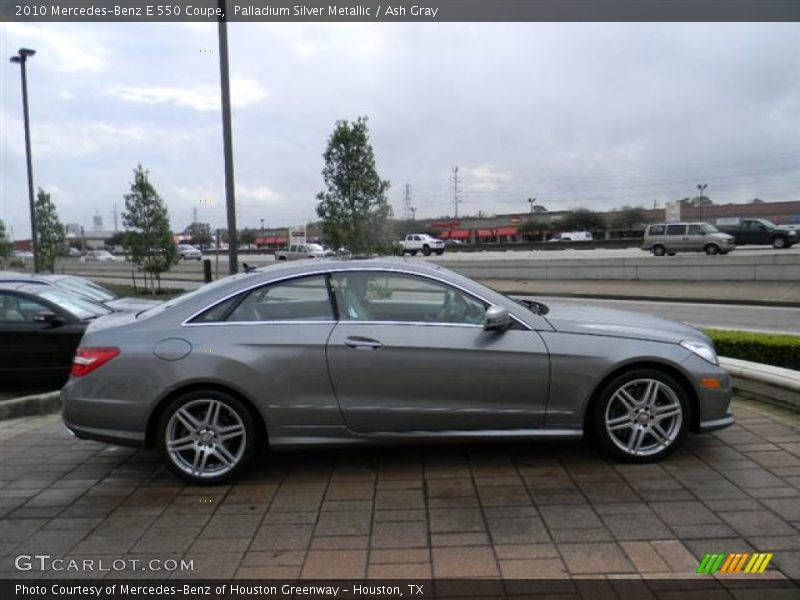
(389, 297)
(302, 299)
(676, 229)
(695, 229)
(656, 230)
(216, 313)
(15, 309)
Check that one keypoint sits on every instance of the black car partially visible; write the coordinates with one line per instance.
(40, 328)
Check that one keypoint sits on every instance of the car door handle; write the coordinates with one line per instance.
(362, 343)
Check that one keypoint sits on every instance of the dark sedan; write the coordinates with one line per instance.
(40, 327)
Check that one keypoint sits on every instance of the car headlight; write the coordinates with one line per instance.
(702, 350)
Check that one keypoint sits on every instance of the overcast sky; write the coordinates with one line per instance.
(593, 115)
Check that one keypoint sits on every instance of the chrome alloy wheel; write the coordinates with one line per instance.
(643, 417)
(206, 438)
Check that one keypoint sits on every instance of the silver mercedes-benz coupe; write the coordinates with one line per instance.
(343, 352)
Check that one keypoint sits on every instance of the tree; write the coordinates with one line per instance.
(534, 229)
(248, 236)
(199, 233)
(696, 201)
(117, 239)
(5, 244)
(354, 210)
(629, 217)
(148, 238)
(582, 219)
(756, 201)
(50, 234)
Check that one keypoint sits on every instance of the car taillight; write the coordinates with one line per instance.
(88, 359)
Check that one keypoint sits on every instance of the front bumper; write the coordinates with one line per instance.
(706, 426)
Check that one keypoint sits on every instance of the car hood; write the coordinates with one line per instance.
(591, 320)
(131, 304)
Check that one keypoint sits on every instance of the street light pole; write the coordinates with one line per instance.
(702, 187)
(227, 137)
(21, 59)
(532, 201)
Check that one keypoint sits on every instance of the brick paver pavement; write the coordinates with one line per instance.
(511, 511)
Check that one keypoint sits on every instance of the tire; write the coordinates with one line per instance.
(413, 252)
(670, 254)
(658, 250)
(197, 419)
(426, 250)
(633, 437)
(779, 242)
(281, 258)
(711, 249)
(439, 252)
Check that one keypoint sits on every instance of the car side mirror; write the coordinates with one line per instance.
(49, 318)
(496, 319)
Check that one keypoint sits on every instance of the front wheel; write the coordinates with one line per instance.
(641, 416)
(426, 250)
(659, 250)
(712, 249)
(206, 437)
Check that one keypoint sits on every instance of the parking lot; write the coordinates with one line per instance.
(513, 511)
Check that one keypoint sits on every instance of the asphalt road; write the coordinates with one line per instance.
(721, 316)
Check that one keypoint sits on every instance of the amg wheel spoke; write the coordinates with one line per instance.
(188, 420)
(635, 441)
(212, 414)
(650, 393)
(668, 411)
(184, 443)
(623, 422)
(230, 432)
(627, 400)
(659, 434)
(199, 460)
(224, 456)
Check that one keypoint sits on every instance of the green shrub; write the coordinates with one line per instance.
(769, 348)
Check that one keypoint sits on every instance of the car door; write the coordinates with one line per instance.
(675, 239)
(695, 237)
(409, 353)
(31, 352)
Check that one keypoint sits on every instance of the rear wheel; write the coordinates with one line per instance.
(779, 242)
(712, 249)
(641, 416)
(413, 252)
(439, 252)
(658, 250)
(206, 436)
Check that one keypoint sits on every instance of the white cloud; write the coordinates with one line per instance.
(244, 92)
(484, 178)
(258, 192)
(63, 47)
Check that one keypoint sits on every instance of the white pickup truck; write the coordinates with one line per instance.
(421, 242)
(301, 251)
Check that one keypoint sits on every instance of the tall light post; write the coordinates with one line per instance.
(532, 201)
(21, 58)
(701, 187)
(227, 138)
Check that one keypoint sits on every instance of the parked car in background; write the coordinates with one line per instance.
(572, 236)
(74, 252)
(757, 231)
(189, 252)
(670, 238)
(83, 287)
(99, 256)
(40, 327)
(301, 251)
(421, 242)
(352, 352)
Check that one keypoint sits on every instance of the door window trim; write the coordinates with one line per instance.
(327, 273)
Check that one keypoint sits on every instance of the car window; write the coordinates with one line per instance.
(16, 309)
(696, 229)
(302, 299)
(656, 230)
(81, 307)
(378, 296)
(676, 229)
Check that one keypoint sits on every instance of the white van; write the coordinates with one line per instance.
(572, 236)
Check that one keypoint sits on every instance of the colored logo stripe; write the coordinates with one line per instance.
(734, 563)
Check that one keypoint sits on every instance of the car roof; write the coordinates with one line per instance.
(21, 286)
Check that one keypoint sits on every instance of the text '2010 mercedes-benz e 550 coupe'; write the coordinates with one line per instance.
(345, 352)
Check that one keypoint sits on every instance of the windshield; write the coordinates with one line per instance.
(83, 308)
(768, 224)
(86, 288)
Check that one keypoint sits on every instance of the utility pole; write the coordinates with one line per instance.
(116, 228)
(21, 58)
(194, 215)
(407, 203)
(532, 201)
(456, 191)
(227, 137)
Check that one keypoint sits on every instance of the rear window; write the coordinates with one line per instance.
(656, 230)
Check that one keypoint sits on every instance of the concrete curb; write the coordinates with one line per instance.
(38, 404)
(765, 383)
